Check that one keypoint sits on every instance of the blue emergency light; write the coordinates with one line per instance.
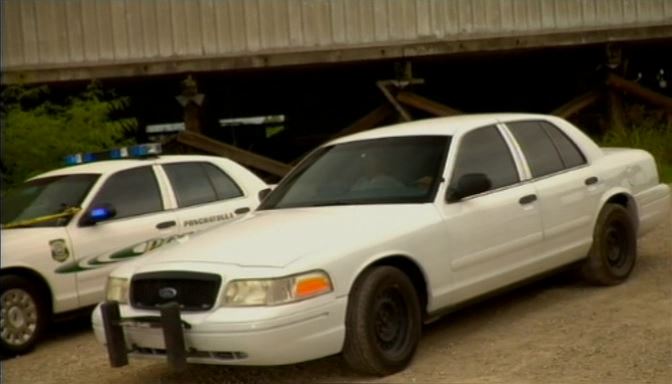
(99, 213)
(134, 151)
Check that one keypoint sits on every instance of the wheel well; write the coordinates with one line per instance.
(627, 202)
(411, 269)
(35, 277)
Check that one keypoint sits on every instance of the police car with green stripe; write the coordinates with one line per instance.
(64, 231)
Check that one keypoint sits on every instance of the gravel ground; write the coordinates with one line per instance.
(558, 330)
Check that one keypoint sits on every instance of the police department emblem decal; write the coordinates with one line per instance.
(59, 250)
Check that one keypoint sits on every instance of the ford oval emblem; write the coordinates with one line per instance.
(167, 293)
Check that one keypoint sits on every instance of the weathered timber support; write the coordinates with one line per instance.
(192, 102)
(639, 91)
(384, 88)
(241, 156)
(577, 104)
(371, 120)
(616, 114)
(424, 104)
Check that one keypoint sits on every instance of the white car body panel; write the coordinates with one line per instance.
(31, 242)
(463, 249)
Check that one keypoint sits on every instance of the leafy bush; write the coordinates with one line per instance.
(37, 133)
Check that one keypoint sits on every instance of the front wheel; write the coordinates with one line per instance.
(23, 316)
(614, 250)
(383, 322)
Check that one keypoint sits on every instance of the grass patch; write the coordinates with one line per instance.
(647, 130)
(665, 172)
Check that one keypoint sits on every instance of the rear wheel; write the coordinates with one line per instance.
(23, 315)
(383, 322)
(614, 250)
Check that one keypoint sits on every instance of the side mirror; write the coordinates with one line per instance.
(468, 185)
(263, 193)
(98, 213)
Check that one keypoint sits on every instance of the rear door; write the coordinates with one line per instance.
(205, 195)
(566, 186)
(141, 224)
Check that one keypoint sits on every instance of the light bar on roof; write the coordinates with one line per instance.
(134, 151)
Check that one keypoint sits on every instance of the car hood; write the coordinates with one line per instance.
(276, 238)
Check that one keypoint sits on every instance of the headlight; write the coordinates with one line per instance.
(117, 289)
(276, 291)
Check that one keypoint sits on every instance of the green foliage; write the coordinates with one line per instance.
(38, 133)
(648, 130)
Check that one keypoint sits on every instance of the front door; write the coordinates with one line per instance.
(490, 237)
(140, 225)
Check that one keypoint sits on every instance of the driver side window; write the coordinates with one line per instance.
(132, 192)
(484, 151)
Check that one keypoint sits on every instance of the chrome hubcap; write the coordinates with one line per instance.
(18, 317)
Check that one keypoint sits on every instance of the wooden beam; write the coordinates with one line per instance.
(577, 104)
(383, 86)
(241, 156)
(637, 90)
(616, 114)
(422, 103)
(371, 120)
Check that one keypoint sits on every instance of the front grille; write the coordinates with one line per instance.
(193, 291)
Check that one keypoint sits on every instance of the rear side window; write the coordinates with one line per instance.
(198, 183)
(485, 151)
(225, 188)
(570, 154)
(542, 156)
(132, 192)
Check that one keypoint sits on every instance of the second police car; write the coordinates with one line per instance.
(65, 230)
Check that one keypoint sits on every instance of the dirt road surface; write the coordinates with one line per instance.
(558, 330)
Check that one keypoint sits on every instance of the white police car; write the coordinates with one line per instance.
(65, 230)
(377, 232)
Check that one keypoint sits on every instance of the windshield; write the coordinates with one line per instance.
(46, 196)
(379, 171)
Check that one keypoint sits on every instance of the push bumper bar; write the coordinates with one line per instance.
(169, 321)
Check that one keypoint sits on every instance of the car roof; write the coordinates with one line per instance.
(108, 166)
(439, 126)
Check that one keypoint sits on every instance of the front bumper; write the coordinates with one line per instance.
(270, 336)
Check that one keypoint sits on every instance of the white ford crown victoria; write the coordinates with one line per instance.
(65, 230)
(374, 233)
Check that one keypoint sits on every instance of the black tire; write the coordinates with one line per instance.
(614, 251)
(23, 315)
(383, 322)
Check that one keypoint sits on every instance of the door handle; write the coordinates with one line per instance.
(166, 224)
(591, 180)
(241, 210)
(527, 199)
